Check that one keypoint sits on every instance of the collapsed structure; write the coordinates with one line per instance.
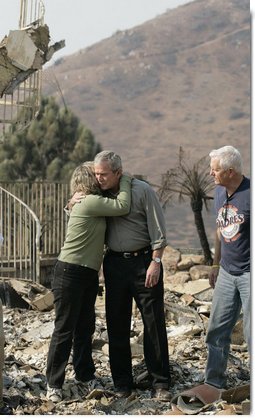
(22, 55)
(23, 52)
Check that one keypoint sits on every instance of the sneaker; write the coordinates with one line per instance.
(54, 394)
(90, 385)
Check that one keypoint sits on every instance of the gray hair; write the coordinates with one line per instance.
(228, 157)
(113, 160)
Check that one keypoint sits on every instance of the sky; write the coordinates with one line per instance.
(84, 22)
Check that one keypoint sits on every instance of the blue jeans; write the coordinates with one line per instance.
(231, 293)
(75, 289)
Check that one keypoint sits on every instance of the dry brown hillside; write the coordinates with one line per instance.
(182, 78)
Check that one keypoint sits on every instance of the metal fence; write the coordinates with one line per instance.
(32, 225)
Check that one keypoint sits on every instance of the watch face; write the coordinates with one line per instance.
(157, 259)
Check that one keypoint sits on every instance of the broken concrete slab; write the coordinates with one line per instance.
(187, 299)
(199, 272)
(175, 331)
(24, 294)
(187, 261)
(179, 278)
(191, 287)
(23, 52)
(10, 297)
(21, 49)
(204, 295)
(204, 308)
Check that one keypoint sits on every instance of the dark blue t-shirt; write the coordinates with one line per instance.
(233, 220)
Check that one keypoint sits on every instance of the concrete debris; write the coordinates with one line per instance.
(23, 294)
(187, 261)
(199, 272)
(28, 332)
(23, 52)
(191, 287)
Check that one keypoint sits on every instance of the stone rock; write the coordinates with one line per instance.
(105, 349)
(187, 261)
(179, 278)
(174, 331)
(170, 259)
(199, 272)
(187, 299)
(205, 295)
(204, 309)
(192, 287)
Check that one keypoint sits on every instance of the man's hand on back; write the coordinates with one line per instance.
(76, 198)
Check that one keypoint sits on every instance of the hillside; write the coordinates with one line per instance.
(182, 78)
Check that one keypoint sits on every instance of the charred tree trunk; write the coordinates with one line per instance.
(197, 207)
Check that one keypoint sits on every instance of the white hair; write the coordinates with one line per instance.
(228, 157)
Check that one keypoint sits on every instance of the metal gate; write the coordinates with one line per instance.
(32, 226)
(20, 233)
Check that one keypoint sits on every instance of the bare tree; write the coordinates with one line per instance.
(192, 181)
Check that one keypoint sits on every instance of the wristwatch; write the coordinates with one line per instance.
(157, 260)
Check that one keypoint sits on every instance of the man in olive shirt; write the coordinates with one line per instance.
(133, 269)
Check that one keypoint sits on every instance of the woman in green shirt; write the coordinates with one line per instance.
(75, 282)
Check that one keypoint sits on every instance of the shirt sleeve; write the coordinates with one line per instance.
(155, 220)
(96, 205)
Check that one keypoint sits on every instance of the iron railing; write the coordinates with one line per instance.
(20, 233)
(22, 206)
(47, 200)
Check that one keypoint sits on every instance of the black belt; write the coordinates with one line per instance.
(130, 254)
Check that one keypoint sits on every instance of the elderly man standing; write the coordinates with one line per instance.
(133, 270)
(230, 273)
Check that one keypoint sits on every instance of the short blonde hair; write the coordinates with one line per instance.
(83, 179)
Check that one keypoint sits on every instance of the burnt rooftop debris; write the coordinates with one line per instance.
(23, 52)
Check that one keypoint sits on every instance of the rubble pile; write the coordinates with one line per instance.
(187, 302)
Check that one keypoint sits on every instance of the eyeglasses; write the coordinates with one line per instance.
(224, 213)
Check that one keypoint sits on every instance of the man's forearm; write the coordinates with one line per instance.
(217, 249)
(158, 253)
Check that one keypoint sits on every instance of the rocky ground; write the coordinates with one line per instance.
(187, 303)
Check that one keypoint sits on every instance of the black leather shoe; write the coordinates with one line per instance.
(122, 392)
(6, 411)
(162, 394)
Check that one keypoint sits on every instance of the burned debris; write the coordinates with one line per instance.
(187, 304)
(23, 52)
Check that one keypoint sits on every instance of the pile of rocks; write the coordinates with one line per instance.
(187, 302)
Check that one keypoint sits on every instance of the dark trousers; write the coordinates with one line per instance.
(124, 280)
(75, 289)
